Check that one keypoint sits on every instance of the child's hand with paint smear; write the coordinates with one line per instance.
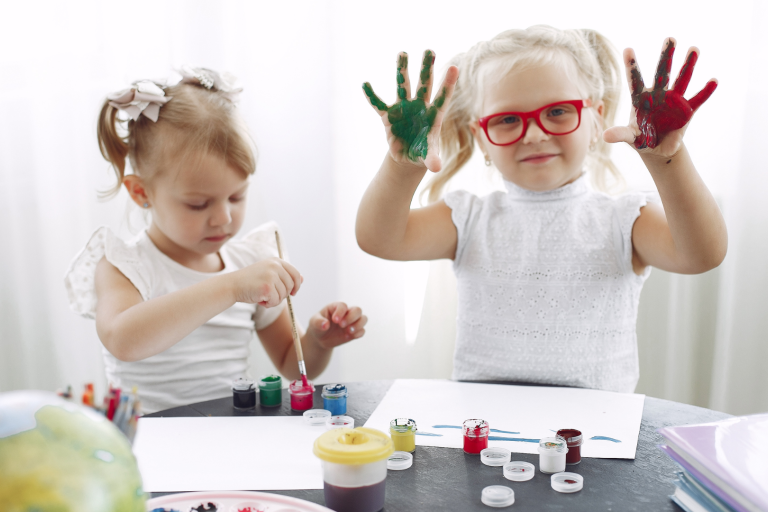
(660, 115)
(413, 125)
(337, 324)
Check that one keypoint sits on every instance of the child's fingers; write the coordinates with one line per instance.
(684, 77)
(443, 99)
(403, 81)
(291, 277)
(619, 134)
(319, 322)
(379, 106)
(661, 80)
(337, 311)
(703, 95)
(424, 92)
(274, 295)
(353, 314)
(357, 327)
(634, 77)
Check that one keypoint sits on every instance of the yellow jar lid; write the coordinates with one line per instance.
(360, 445)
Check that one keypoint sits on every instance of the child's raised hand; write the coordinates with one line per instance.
(413, 125)
(661, 115)
(337, 324)
(266, 282)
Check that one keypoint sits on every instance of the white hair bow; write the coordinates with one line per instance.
(212, 80)
(144, 97)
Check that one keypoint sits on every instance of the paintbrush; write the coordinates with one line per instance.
(296, 340)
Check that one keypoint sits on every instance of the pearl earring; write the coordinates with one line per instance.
(487, 161)
(146, 205)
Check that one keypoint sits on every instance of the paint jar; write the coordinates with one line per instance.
(567, 482)
(339, 422)
(335, 399)
(552, 452)
(301, 395)
(354, 468)
(403, 434)
(496, 456)
(271, 391)
(243, 394)
(497, 496)
(475, 436)
(573, 440)
(519, 471)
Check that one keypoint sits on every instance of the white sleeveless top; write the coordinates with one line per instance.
(202, 365)
(546, 289)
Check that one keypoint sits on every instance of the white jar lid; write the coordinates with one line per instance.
(567, 482)
(497, 496)
(339, 421)
(316, 417)
(399, 461)
(496, 456)
(519, 471)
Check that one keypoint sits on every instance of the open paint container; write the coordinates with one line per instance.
(574, 440)
(552, 452)
(335, 398)
(475, 436)
(243, 394)
(403, 434)
(301, 395)
(354, 468)
(271, 391)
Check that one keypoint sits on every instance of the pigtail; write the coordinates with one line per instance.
(605, 176)
(113, 147)
(456, 140)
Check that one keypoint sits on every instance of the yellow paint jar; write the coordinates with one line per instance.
(403, 434)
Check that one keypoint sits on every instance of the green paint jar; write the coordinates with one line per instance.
(271, 391)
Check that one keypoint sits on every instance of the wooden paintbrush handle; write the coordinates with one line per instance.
(296, 339)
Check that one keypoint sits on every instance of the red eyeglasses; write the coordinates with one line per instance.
(560, 118)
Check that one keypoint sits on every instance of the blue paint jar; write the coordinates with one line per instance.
(335, 399)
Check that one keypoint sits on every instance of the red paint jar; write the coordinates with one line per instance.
(475, 436)
(574, 440)
(302, 397)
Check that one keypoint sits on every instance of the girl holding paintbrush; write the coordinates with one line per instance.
(176, 307)
(550, 272)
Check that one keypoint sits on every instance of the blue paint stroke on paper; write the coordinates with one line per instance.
(492, 430)
(430, 434)
(519, 439)
(603, 438)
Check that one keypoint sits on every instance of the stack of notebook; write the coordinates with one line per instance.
(724, 464)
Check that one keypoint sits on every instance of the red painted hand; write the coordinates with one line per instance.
(660, 111)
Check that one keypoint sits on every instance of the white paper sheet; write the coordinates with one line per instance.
(526, 412)
(226, 454)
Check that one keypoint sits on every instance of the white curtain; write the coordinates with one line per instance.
(701, 338)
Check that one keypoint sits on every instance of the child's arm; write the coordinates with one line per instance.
(386, 226)
(133, 329)
(334, 325)
(687, 236)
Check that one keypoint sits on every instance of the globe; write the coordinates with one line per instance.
(58, 456)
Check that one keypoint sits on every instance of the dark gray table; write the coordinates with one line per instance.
(449, 479)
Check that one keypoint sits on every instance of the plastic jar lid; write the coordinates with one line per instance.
(271, 382)
(316, 417)
(242, 384)
(567, 482)
(334, 391)
(332, 422)
(399, 461)
(519, 471)
(497, 496)
(572, 436)
(496, 456)
(353, 446)
(552, 446)
(475, 428)
(402, 426)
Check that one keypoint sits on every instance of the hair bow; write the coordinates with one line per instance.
(144, 97)
(212, 80)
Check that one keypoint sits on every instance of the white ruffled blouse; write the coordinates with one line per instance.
(546, 289)
(202, 365)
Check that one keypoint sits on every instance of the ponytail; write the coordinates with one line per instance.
(113, 147)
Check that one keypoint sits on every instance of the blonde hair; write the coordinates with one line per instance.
(195, 120)
(585, 53)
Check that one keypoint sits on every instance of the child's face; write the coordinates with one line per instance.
(201, 206)
(538, 161)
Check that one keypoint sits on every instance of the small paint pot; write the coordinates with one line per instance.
(271, 391)
(335, 399)
(243, 394)
(519, 471)
(316, 417)
(496, 456)
(354, 465)
(301, 396)
(475, 436)
(567, 482)
(497, 496)
(399, 461)
(573, 440)
(403, 434)
(339, 422)
(552, 452)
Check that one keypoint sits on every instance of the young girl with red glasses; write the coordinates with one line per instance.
(550, 272)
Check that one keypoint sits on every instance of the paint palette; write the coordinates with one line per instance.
(231, 501)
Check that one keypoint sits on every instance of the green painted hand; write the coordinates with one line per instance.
(413, 125)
